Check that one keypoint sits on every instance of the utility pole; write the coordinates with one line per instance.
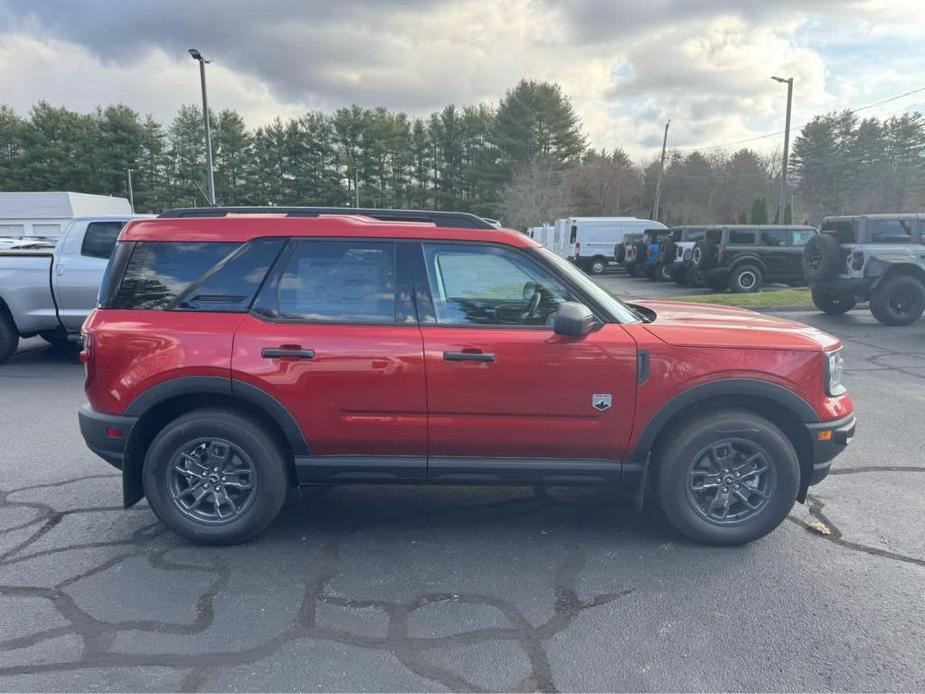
(661, 172)
(205, 119)
(782, 202)
(356, 187)
(131, 194)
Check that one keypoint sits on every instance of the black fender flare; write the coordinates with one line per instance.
(727, 387)
(217, 385)
(748, 259)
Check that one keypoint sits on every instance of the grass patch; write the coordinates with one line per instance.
(774, 298)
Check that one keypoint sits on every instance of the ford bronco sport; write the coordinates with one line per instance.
(232, 357)
(743, 257)
(878, 258)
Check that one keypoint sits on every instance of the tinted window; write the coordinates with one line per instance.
(773, 237)
(574, 235)
(802, 236)
(844, 229)
(336, 282)
(741, 237)
(195, 276)
(100, 239)
(714, 235)
(693, 234)
(889, 231)
(486, 285)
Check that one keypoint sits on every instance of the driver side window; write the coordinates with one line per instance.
(487, 285)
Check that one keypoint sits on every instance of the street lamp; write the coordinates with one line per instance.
(782, 202)
(197, 56)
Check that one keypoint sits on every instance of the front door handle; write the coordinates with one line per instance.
(468, 356)
(287, 353)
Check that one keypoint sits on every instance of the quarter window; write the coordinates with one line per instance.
(100, 239)
(889, 231)
(487, 285)
(741, 237)
(336, 282)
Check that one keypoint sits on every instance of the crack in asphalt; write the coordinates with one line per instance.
(98, 636)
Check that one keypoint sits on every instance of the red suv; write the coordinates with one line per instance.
(235, 356)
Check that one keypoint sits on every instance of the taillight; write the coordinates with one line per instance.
(857, 260)
(86, 356)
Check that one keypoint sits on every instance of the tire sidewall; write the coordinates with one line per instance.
(880, 301)
(745, 271)
(271, 480)
(672, 476)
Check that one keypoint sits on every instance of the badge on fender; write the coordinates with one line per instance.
(601, 401)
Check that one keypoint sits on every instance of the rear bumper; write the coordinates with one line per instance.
(105, 434)
(829, 439)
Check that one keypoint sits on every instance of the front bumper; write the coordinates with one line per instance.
(829, 439)
(105, 434)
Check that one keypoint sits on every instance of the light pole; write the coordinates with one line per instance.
(661, 173)
(782, 202)
(131, 193)
(205, 119)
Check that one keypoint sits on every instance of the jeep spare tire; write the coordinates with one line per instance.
(822, 258)
(703, 257)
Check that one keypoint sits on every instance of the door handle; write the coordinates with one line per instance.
(468, 356)
(59, 269)
(287, 353)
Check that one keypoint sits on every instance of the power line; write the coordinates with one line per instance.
(797, 127)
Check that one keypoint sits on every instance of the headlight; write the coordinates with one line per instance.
(834, 368)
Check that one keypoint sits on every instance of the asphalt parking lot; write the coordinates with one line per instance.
(435, 589)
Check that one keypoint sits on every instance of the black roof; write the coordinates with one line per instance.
(456, 220)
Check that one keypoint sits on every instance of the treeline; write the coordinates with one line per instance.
(524, 159)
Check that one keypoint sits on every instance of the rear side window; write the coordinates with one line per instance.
(889, 231)
(773, 237)
(714, 235)
(802, 236)
(335, 282)
(843, 229)
(693, 234)
(741, 237)
(100, 239)
(195, 276)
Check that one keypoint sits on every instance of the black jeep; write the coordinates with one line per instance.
(744, 257)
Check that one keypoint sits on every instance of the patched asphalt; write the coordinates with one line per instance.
(454, 588)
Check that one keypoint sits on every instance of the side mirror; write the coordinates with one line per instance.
(574, 320)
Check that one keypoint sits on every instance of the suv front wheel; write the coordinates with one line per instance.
(745, 278)
(727, 478)
(831, 302)
(215, 477)
(898, 301)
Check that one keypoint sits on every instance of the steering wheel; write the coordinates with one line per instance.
(534, 295)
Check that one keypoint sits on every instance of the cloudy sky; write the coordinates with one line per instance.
(627, 65)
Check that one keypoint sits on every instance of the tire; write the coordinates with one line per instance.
(822, 258)
(696, 446)
(833, 303)
(9, 338)
(663, 273)
(745, 278)
(682, 277)
(899, 300)
(244, 442)
(597, 265)
(703, 255)
(619, 252)
(633, 270)
(56, 339)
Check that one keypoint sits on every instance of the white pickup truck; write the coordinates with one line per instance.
(49, 292)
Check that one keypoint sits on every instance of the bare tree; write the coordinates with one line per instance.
(534, 195)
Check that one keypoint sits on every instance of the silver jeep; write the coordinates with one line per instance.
(879, 258)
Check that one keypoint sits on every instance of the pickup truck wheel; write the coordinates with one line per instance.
(745, 278)
(833, 303)
(9, 338)
(215, 477)
(727, 478)
(898, 301)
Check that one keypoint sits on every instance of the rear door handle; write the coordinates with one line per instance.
(468, 356)
(281, 353)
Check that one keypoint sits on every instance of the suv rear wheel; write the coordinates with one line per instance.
(898, 301)
(215, 477)
(745, 278)
(727, 478)
(663, 272)
(832, 302)
(9, 337)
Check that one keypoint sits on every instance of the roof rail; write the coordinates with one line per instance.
(455, 220)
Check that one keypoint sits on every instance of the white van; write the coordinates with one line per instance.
(589, 241)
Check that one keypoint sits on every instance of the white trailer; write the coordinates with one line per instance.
(46, 214)
(589, 241)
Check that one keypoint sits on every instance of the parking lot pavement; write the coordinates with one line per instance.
(464, 588)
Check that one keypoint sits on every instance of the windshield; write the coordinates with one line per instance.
(619, 311)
